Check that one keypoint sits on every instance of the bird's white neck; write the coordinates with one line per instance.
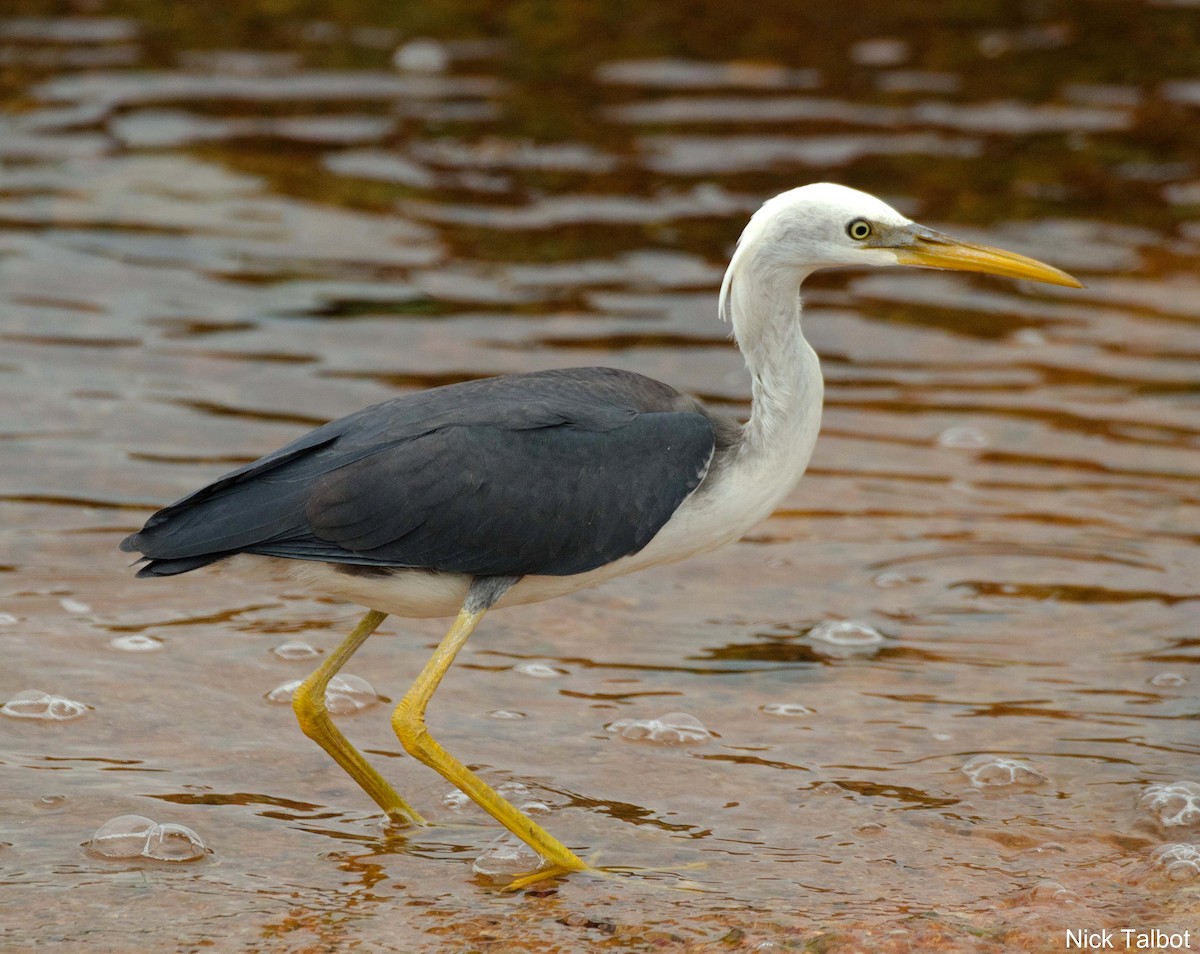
(787, 387)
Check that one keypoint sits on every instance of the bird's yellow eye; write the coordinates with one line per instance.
(859, 229)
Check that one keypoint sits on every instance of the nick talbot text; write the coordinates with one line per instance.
(1128, 939)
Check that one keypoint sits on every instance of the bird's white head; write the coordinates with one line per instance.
(824, 225)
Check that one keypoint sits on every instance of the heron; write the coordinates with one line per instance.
(457, 500)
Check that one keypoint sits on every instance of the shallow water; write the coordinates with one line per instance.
(207, 247)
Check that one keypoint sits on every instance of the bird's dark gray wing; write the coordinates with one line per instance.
(546, 473)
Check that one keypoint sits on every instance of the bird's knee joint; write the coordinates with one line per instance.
(410, 729)
(310, 712)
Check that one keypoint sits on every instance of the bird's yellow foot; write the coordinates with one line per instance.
(551, 872)
(401, 819)
(543, 874)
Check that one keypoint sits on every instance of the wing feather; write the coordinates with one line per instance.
(547, 473)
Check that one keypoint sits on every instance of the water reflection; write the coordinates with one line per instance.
(203, 250)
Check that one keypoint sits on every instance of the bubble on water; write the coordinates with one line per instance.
(1048, 890)
(889, 581)
(7, 619)
(505, 714)
(35, 704)
(514, 791)
(1180, 862)
(421, 56)
(74, 606)
(506, 857)
(534, 808)
(1168, 679)
(295, 649)
(52, 801)
(538, 670)
(674, 728)
(136, 643)
(456, 800)
(347, 694)
(171, 842)
(284, 691)
(995, 771)
(135, 836)
(122, 837)
(844, 637)
(786, 710)
(963, 438)
(344, 695)
(1174, 805)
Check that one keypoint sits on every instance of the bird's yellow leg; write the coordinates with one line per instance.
(309, 704)
(409, 722)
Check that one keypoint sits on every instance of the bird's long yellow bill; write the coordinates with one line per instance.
(945, 252)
